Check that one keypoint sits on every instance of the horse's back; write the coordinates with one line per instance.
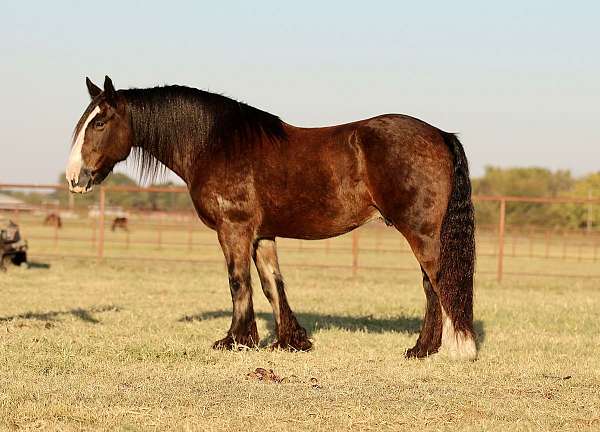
(327, 181)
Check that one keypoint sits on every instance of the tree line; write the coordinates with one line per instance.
(537, 182)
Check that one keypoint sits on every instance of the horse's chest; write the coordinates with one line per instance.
(232, 202)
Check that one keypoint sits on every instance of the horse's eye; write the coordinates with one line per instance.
(99, 124)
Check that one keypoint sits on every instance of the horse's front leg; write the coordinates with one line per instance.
(290, 335)
(236, 242)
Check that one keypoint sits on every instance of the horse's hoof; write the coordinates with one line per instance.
(227, 343)
(419, 352)
(240, 343)
(296, 342)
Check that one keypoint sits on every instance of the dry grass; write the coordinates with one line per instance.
(126, 346)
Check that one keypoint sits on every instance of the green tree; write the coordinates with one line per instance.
(577, 214)
(535, 182)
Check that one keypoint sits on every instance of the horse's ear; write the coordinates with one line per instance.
(109, 91)
(93, 89)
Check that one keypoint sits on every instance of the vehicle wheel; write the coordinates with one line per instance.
(19, 258)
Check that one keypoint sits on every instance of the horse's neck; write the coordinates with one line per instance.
(179, 152)
(179, 160)
(175, 164)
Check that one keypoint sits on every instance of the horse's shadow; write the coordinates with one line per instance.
(313, 322)
(80, 313)
(38, 265)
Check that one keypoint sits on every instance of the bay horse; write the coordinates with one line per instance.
(253, 177)
(53, 219)
(120, 222)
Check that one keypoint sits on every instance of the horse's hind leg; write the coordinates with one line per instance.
(452, 286)
(290, 335)
(236, 242)
(430, 338)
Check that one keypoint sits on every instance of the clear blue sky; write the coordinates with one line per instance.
(519, 80)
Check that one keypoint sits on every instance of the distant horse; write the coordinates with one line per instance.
(53, 219)
(253, 178)
(120, 222)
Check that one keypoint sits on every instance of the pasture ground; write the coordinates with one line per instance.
(126, 346)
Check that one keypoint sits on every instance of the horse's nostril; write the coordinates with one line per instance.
(72, 183)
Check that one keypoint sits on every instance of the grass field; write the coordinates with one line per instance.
(125, 346)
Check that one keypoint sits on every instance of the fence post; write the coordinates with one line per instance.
(354, 252)
(501, 239)
(101, 223)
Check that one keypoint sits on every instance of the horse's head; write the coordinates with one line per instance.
(102, 138)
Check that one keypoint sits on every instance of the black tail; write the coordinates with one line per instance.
(457, 260)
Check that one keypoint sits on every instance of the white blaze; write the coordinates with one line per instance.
(75, 159)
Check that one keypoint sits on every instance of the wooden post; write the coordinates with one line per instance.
(547, 243)
(101, 223)
(501, 225)
(354, 252)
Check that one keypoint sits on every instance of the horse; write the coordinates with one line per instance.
(54, 220)
(120, 222)
(253, 178)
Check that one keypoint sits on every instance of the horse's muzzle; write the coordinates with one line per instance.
(84, 182)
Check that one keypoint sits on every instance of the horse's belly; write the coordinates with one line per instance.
(327, 223)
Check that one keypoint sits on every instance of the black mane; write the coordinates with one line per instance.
(193, 122)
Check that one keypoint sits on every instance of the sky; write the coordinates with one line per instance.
(518, 80)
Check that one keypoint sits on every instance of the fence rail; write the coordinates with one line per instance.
(495, 243)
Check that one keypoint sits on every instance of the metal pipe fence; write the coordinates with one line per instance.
(503, 250)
